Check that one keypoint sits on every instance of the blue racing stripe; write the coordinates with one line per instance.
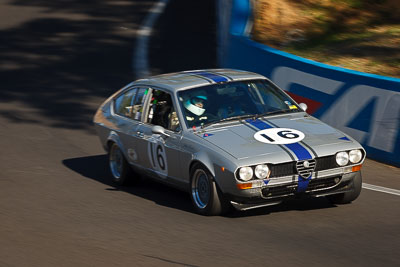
(215, 77)
(259, 124)
(303, 184)
(300, 152)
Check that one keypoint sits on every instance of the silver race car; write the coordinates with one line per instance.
(229, 137)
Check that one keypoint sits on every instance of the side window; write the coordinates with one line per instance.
(123, 103)
(162, 111)
(137, 107)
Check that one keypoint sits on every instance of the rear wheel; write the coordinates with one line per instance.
(120, 170)
(206, 197)
(345, 198)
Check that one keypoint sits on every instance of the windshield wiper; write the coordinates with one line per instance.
(274, 112)
(239, 117)
(253, 116)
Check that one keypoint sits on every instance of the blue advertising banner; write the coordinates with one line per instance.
(365, 106)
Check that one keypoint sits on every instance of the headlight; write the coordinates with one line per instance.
(342, 158)
(355, 156)
(245, 173)
(261, 171)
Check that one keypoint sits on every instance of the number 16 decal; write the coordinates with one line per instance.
(279, 136)
(157, 157)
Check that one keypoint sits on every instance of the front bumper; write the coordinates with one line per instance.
(274, 194)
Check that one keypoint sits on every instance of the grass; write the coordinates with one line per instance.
(359, 35)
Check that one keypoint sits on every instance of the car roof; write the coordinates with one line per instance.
(188, 79)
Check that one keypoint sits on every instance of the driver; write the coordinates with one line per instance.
(196, 106)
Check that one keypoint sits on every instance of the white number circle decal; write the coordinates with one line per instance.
(279, 136)
(157, 157)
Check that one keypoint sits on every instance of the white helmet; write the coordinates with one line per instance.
(192, 104)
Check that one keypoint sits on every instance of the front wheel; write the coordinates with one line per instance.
(119, 167)
(206, 197)
(345, 198)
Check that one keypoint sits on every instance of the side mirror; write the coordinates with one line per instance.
(157, 129)
(303, 106)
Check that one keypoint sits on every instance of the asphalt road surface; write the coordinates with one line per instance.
(58, 61)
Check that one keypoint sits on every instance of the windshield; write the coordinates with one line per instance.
(235, 100)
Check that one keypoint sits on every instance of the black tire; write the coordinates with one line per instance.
(206, 197)
(348, 197)
(120, 169)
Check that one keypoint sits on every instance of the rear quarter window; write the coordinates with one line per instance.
(123, 103)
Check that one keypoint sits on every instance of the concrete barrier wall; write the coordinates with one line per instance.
(365, 106)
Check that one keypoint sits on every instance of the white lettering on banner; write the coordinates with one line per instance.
(385, 117)
(284, 77)
(390, 124)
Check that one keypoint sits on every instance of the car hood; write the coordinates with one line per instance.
(238, 139)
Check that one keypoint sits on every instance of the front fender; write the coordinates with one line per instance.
(204, 159)
(221, 170)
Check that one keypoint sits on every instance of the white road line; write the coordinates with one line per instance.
(140, 59)
(381, 189)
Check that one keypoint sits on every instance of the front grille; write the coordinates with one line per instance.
(284, 169)
(305, 167)
(326, 163)
(290, 168)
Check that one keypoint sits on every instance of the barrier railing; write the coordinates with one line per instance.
(365, 106)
